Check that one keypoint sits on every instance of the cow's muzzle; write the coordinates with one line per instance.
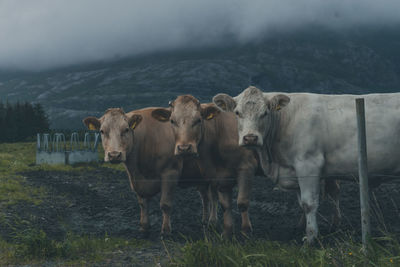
(250, 140)
(114, 156)
(185, 150)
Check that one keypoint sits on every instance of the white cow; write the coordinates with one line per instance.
(314, 136)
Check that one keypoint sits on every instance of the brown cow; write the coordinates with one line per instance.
(146, 148)
(210, 135)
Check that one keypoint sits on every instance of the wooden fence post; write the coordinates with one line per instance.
(363, 173)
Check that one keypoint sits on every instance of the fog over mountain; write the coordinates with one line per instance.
(313, 60)
(42, 34)
(79, 58)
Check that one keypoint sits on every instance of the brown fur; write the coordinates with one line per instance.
(148, 156)
(223, 163)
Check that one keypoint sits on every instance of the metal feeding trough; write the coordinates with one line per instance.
(54, 149)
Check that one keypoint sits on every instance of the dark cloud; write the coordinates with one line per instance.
(46, 33)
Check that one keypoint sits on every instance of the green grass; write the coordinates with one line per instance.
(20, 157)
(343, 252)
(16, 158)
(34, 246)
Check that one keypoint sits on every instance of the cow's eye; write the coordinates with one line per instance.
(237, 113)
(172, 121)
(264, 114)
(126, 130)
(101, 131)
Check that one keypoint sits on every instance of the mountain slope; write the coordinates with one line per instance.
(315, 60)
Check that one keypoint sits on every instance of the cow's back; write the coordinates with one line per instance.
(326, 124)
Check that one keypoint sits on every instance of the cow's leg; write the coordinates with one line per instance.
(168, 185)
(302, 222)
(225, 198)
(203, 191)
(332, 189)
(213, 199)
(308, 173)
(243, 200)
(144, 215)
(309, 187)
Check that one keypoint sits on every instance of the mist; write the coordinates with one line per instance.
(43, 34)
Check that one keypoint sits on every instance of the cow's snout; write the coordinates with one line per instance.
(250, 140)
(114, 156)
(185, 148)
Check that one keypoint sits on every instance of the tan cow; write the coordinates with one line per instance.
(210, 136)
(146, 148)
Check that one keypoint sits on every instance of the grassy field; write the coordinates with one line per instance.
(20, 157)
(269, 253)
(29, 244)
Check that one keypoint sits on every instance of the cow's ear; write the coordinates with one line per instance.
(225, 102)
(92, 123)
(161, 114)
(134, 120)
(209, 112)
(279, 101)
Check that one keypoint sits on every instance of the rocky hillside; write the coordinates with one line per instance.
(315, 60)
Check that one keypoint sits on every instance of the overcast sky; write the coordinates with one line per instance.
(37, 34)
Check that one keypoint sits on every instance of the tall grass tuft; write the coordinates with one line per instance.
(384, 251)
(34, 245)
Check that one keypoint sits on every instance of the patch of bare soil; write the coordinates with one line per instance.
(100, 202)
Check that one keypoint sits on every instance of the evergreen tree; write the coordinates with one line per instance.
(41, 120)
(20, 121)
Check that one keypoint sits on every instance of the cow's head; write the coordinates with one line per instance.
(186, 116)
(254, 112)
(116, 130)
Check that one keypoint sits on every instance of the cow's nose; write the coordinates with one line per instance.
(250, 139)
(115, 156)
(184, 148)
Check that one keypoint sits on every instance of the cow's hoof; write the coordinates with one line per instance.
(144, 231)
(309, 242)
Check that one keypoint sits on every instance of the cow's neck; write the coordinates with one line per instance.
(269, 154)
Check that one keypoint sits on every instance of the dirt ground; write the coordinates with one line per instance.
(100, 202)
